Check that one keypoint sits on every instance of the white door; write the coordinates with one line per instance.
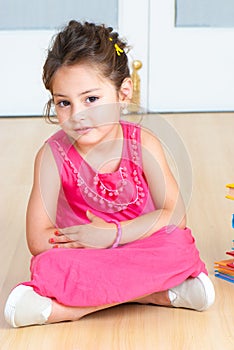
(187, 68)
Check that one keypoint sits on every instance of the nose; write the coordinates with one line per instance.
(77, 117)
(77, 113)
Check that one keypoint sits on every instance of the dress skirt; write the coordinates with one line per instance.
(94, 277)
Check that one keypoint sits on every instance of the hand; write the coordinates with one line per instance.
(97, 234)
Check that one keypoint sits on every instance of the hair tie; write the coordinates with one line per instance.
(117, 48)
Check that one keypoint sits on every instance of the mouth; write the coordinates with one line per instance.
(82, 131)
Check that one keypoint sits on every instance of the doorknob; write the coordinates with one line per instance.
(136, 95)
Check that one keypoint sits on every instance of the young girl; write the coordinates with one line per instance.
(105, 221)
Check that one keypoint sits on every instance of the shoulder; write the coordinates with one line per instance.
(40, 153)
(58, 136)
(43, 156)
(150, 141)
(146, 136)
(153, 151)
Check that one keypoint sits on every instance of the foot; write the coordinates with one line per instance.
(194, 293)
(24, 307)
(157, 298)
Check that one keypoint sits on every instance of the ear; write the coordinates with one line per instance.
(125, 91)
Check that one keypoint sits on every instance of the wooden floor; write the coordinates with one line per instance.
(208, 140)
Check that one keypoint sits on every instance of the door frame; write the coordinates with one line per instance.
(132, 12)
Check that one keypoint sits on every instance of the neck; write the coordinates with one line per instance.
(106, 155)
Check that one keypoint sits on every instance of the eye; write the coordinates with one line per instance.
(91, 99)
(63, 103)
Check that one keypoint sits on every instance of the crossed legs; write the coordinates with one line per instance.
(61, 312)
(25, 307)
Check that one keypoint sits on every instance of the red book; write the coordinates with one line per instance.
(230, 253)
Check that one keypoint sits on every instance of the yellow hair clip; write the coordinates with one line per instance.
(230, 194)
(117, 48)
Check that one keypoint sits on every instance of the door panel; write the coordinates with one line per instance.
(185, 67)
(191, 68)
(26, 29)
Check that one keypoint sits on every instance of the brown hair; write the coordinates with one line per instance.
(90, 43)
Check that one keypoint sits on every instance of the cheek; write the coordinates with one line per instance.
(105, 114)
(64, 122)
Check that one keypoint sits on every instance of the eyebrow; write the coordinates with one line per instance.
(81, 94)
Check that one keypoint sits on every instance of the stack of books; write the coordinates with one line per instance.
(224, 269)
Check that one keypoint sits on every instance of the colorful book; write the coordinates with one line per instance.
(225, 263)
(224, 271)
(225, 277)
(230, 253)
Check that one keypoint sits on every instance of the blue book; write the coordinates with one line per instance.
(225, 277)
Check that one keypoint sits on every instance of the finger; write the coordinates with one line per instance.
(60, 239)
(68, 245)
(65, 231)
(90, 215)
(57, 232)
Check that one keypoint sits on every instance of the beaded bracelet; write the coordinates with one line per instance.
(119, 232)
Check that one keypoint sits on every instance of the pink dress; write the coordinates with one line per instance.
(92, 277)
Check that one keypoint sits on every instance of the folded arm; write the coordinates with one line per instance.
(165, 193)
(41, 213)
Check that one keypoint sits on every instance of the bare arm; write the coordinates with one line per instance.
(164, 190)
(41, 211)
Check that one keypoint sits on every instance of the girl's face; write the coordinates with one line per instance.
(75, 90)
